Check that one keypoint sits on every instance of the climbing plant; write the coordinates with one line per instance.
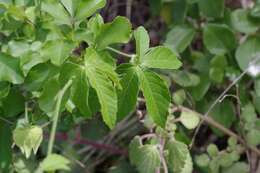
(61, 65)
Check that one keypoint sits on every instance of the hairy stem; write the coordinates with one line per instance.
(56, 116)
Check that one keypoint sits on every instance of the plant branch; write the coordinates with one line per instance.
(120, 53)
(223, 94)
(56, 116)
(217, 125)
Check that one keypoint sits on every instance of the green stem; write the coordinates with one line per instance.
(119, 52)
(56, 116)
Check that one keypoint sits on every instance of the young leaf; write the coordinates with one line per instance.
(86, 8)
(57, 11)
(127, 96)
(55, 162)
(179, 38)
(10, 69)
(218, 39)
(142, 41)
(145, 157)
(118, 31)
(189, 119)
(161, 57)
(157, 96)
(179, 159)
(28, 138)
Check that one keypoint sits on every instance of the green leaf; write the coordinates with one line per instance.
(118, 31)
(10, 69)
(247, 51)
(202, 160)
(212, 8)
(212, 150)
(86, 8)
(185, 79)
(102, 84)
(57, 51)
(178, 158)
(189, 119)
(39, 74)
(157, 96)
(127, 96)
(257, 87)
(55, 162)
(4, 89)
(145, 157)
(239, 167)
(248, 113)
(253, 137)
(47, 100)
(224, 114)
(79, 89)
(179, 38)
(142, 41)
(179, 11)
(200, 90)
(161, 57)
(218, 39)
(28, 138)
(179, 97)
(5, 147)
(13, 103)
(241, 21)
(57, 11)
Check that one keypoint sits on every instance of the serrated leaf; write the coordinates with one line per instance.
(103, 86)
(162, 58)
(118, 31)
(189, 119)
(88, 7)
(57, 11)
(145, 157)
(28, 138)
(218, 39)
(127, 96)
(179, 38)
(157, 96)
(179, 159)
(10, 69)
(55, 162)
(57, 51)
(142, 41)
